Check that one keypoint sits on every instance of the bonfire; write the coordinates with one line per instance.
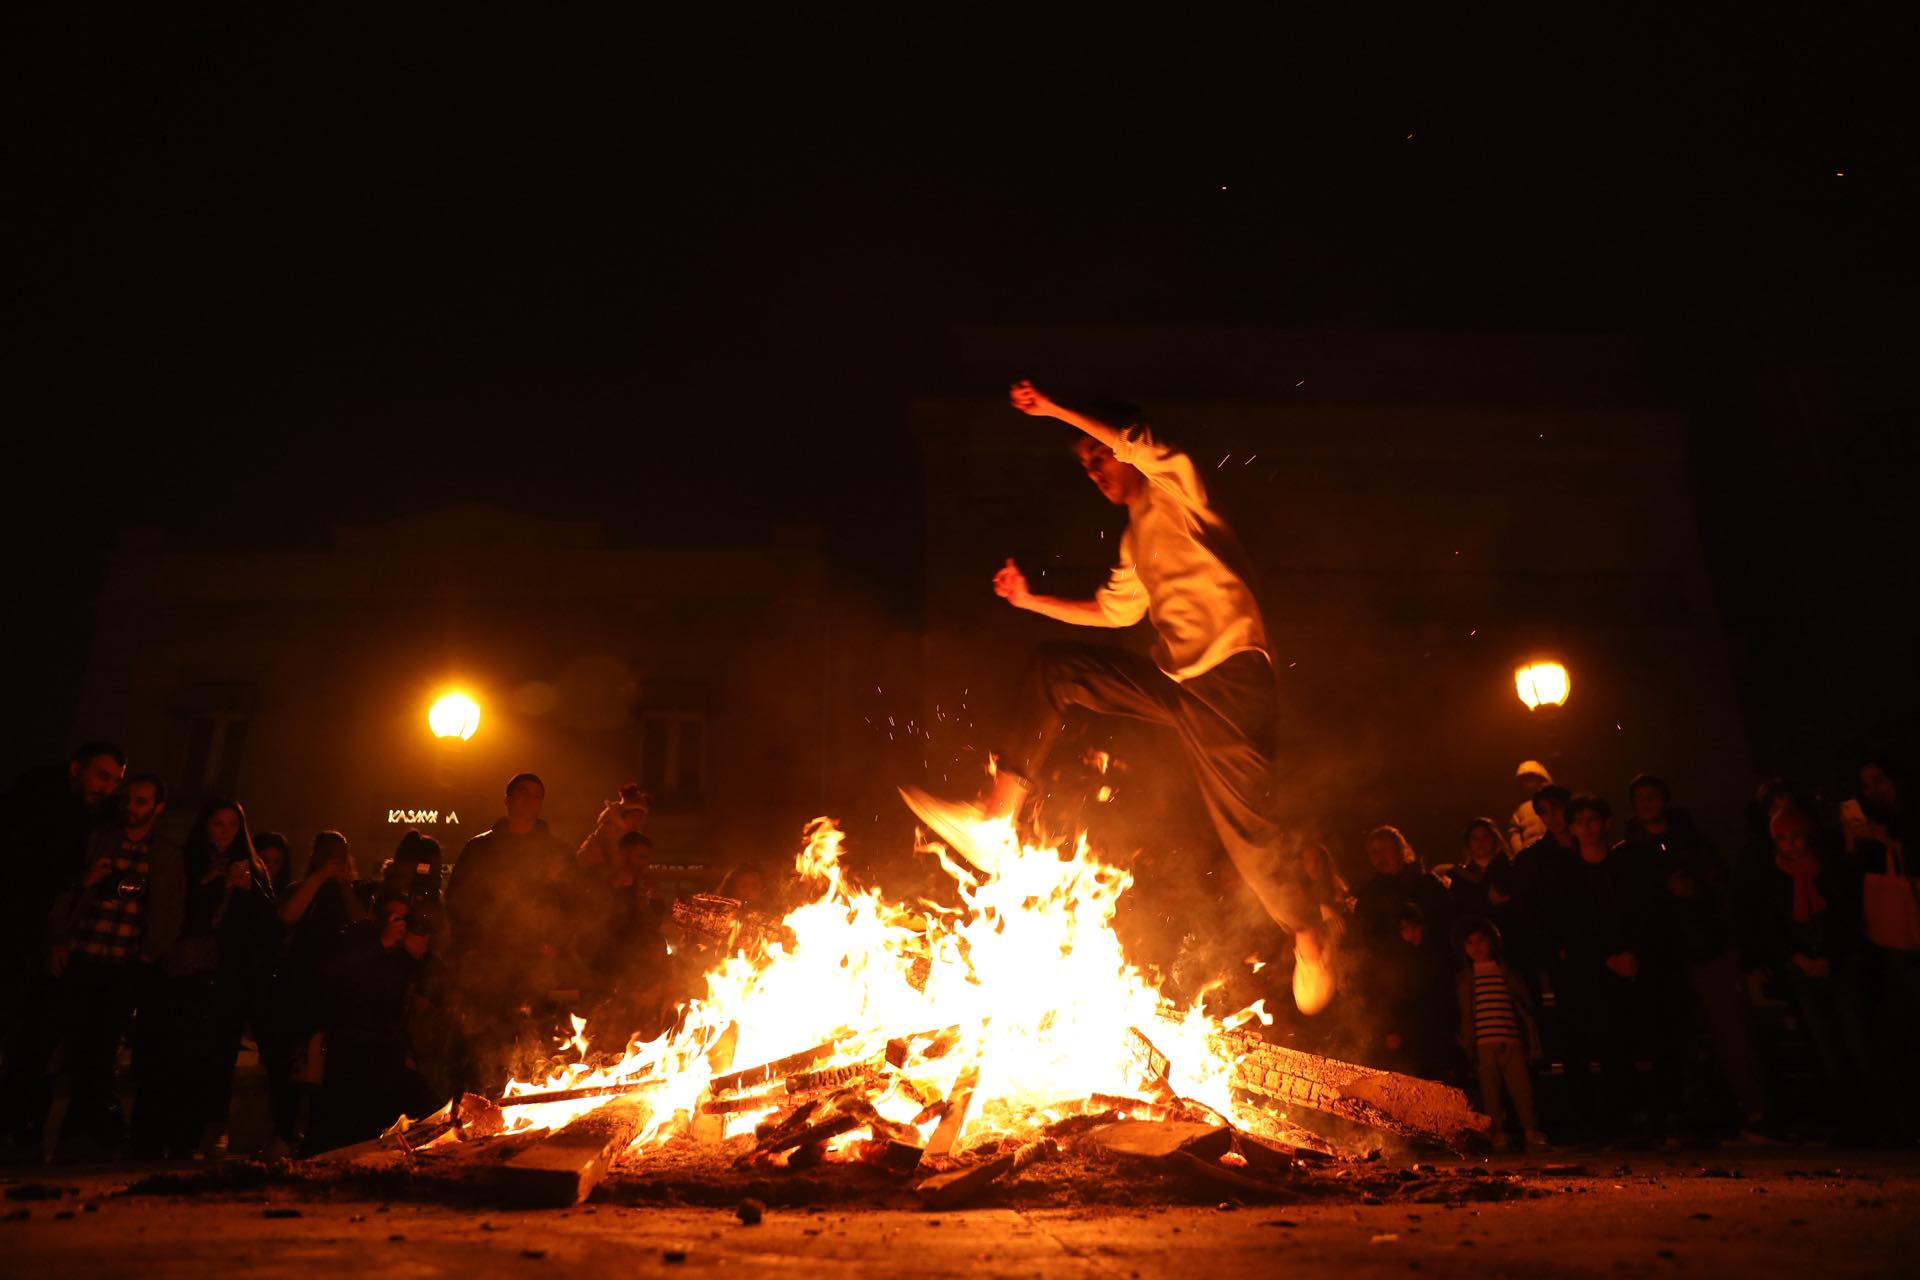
(961, 1038)
(1020, 1000)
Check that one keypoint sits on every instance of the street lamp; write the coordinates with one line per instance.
(455, 715)
(1542, 684)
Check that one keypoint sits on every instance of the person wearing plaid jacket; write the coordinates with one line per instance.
(106, 935)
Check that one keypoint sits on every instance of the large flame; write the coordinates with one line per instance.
(1028, 968)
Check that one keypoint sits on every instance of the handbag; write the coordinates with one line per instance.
(1890, 901)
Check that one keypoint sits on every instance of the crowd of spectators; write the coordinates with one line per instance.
(1654, 987)
(365, 997)
(1594, 981)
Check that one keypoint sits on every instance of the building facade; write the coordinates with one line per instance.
(301, 681)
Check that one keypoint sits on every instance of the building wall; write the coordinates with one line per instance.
(331, 658)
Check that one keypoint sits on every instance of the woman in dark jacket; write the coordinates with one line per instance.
(1801, 921)
(1482, 886)
(1398, 878)
(218, 972)
(316, 912)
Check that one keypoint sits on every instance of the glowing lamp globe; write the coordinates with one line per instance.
(1542, 684)
(454, 716)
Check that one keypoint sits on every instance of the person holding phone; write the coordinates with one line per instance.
(1877, 815)
(317, 911)
(124, 915)
(190, 1026)
(372, 990)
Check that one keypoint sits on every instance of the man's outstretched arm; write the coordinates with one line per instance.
(1029, 399)
(1164, 466)
(1011, 585)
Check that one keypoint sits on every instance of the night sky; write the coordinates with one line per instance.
(279, 270)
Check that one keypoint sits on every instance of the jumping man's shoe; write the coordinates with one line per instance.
(964, 829)
(1313, 982)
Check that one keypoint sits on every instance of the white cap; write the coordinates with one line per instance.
(1533, 767)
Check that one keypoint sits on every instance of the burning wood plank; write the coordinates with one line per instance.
(477, 1117)
(720, 1052)
(1244, 1151)
(1276, 1077)
(900, 1049)
(900, 1158)
(715, 918)
(769, 1100)
(470, 1116)
(781, 1096)
(792, 1122)
(570, 1095)
(855, 1073)
(959, 1101)
(947, 1190)
(1150, 1139)
(1150, 1065)
(1218, 1156)
(709, 1126)
(563, 1168)
(778, 1069)
(1218, 1178)
(787, 1139)
(882, 1128)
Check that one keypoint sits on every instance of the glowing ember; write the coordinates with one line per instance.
(1026, 978)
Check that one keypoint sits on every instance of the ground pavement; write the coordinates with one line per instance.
(1805, 1211)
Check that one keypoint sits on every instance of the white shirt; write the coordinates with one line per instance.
(1176, 567)
(1525, 826)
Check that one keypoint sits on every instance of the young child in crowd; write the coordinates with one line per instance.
(1498, 1031)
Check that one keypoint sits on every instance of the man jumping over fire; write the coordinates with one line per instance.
(1210, 677)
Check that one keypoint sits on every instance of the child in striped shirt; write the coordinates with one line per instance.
(1498, 1031)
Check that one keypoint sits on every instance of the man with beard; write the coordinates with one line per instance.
(48, 818)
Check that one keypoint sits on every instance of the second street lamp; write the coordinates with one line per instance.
(454, 715)
(1542, 684)
(454, 718)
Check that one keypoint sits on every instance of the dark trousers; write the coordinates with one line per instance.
(97, 999)
(1720, 994)
(1902, 991)
(368, 1086)
(1504, 1076)
(249, 1008)
(184, 1051)
(32, 1032)
(1835, 1012)
(1620, 1026)
(1226, 720)
(281, 1040)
